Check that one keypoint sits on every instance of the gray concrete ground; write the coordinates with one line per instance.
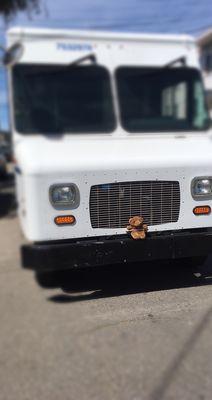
(127, 333)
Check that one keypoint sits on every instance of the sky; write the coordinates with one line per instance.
(164, 16)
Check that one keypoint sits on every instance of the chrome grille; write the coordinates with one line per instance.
(111, 205)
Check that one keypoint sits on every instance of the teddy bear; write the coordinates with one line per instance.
(137, 228)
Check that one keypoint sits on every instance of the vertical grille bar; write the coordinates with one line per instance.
(111, 205)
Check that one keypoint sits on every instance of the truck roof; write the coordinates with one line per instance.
(113, 49)
(97, 35)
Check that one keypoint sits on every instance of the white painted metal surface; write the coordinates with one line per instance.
(92, 159)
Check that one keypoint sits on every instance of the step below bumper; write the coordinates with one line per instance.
(121, 249)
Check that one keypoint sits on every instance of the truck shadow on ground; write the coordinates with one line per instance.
(7, 196)
(130, 279)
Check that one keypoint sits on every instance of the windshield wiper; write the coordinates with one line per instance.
(181, 60)
(90, 57)
(159, 70)
(57, 68)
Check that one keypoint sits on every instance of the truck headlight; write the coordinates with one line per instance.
(201, 188)
(64, 196)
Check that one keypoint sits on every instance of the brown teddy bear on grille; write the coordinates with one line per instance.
(137, 228)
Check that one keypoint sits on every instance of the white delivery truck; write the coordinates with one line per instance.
(109, 126)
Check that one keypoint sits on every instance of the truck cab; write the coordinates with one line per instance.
(107, 127)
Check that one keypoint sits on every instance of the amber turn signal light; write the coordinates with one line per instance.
(202, 210)
(65, 220)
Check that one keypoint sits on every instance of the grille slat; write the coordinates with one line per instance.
(111, 205)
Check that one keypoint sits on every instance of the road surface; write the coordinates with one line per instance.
(127, 333)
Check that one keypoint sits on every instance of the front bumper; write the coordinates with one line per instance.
(120, 249)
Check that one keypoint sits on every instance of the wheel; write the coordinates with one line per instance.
(49, 280)
(191, 262)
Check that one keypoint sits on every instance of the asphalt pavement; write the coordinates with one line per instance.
(132, 332)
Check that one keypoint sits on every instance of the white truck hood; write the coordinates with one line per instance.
(39, 155)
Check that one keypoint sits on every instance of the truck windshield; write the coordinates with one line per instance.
(50, 100)
(161, 99)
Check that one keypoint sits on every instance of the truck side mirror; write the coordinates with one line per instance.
(12, 55)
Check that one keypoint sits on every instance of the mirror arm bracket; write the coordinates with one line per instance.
(181, 60)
